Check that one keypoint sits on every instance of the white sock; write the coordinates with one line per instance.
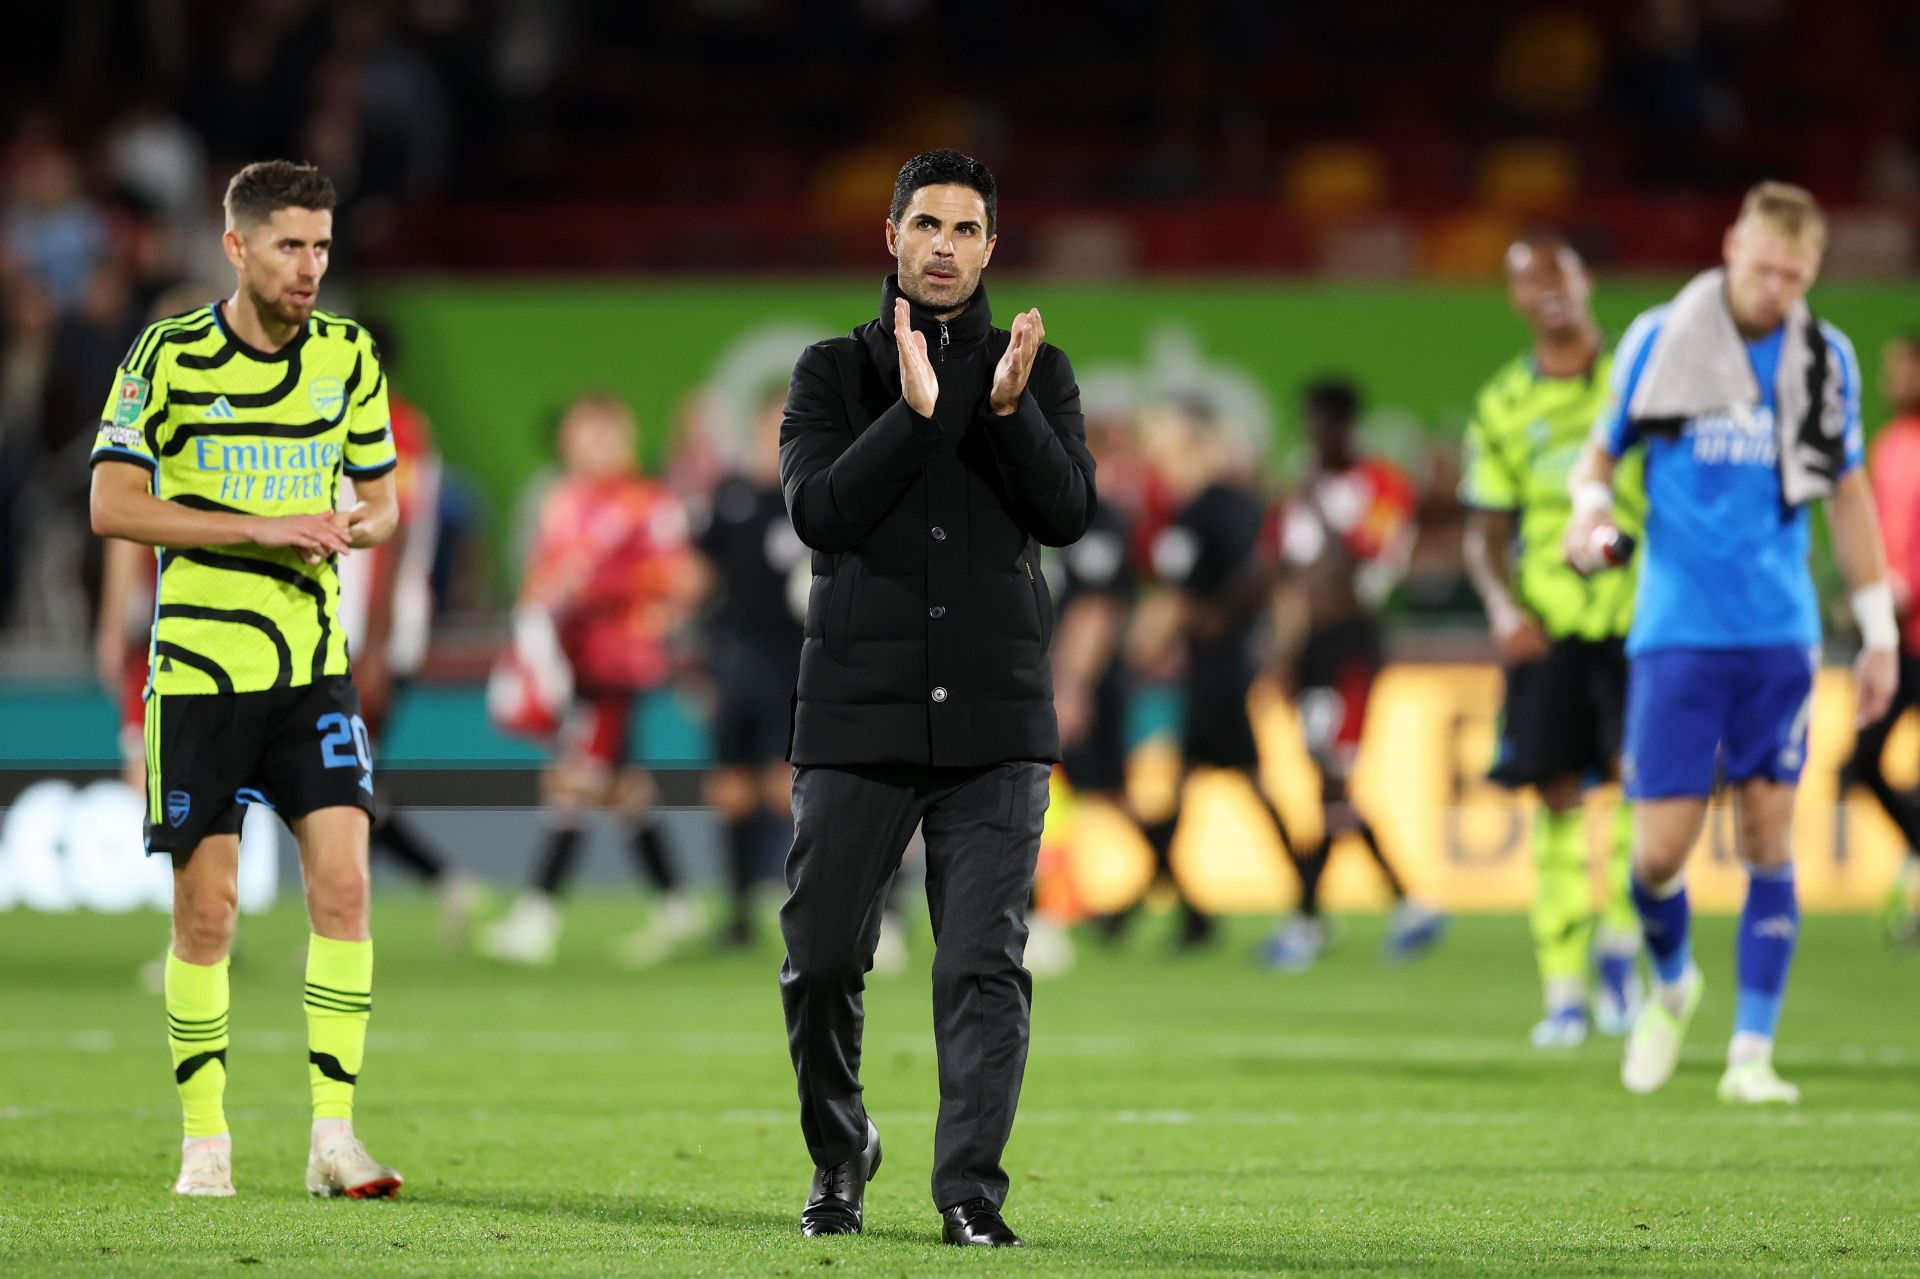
(1673, 995)
(325, 1130)
(1747, 1047)
(218, 1140)
(1565, 992)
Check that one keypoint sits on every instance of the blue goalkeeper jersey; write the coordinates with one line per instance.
(1725, 559)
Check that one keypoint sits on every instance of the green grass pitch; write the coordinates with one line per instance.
(1186, 1115)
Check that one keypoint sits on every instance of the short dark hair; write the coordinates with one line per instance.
(937, 168)
(265, 186)
(1333, 397)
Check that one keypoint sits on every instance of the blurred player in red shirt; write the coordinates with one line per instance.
(611, 567)
(386, 606)
(1894, 464)
(1344, 536)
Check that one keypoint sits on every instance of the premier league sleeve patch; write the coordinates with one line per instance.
(131, 402)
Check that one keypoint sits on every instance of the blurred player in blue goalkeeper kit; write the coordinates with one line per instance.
(1749, 410)
(1560, 633)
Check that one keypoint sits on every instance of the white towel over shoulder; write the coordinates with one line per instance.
(1699, 366)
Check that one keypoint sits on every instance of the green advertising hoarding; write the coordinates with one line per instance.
(491, 362)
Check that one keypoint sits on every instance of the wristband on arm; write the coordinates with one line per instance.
(1873, 612)
(1592, 497)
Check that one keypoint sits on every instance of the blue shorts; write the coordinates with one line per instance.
(1694, 714)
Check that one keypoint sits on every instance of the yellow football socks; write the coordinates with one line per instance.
(197, 1003)
(339, 1004)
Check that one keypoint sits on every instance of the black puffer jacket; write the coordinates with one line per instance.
(928, 622)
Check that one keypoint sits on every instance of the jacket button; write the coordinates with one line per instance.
(939, 534)
(937, 612)
(939, 694)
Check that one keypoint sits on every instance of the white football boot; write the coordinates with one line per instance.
(1561, 1028)
(339, 1165)
(678, 920)
(206, 1167)
(1754, 1083)
(1049, 948)
(1653, 1046)
(529, 934)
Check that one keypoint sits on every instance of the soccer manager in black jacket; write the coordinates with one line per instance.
(925, 458)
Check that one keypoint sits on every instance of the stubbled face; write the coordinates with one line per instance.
(282, 260)
(1548, 286)
(1900, 375)
(596, 439)
(941, 245)
(1768, 271)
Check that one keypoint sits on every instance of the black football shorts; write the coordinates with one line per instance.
(209, 755)
(1564, 714)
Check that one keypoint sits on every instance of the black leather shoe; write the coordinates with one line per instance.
(978, 1224)
(839, 1193)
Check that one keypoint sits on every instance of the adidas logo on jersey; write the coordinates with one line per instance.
(218, 411)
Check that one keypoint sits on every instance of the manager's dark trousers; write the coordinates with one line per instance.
(982, 832)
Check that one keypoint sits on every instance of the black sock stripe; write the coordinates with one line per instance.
(196, 1021)
(340, 1001)
(329, 1065)
(331, 990)
(191, 1066)
(196, 1038)
(207, 1028)
(351, 1010)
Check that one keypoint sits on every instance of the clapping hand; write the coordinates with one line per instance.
(918, 385)
(1010, 379)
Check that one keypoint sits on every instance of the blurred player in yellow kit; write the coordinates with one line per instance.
(1561, 635)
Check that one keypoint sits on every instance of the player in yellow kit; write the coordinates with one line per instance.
(1561, 635)
(222, 446)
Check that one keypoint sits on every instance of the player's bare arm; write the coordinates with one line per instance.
(1516, 633)
(1861, 556)
(1083, 645)
(1153, 643)
(122, 504)
(376, 514)
(1290, 619)
(1591, 484)
(119, 570)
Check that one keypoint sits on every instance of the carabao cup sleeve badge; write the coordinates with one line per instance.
(132, 399)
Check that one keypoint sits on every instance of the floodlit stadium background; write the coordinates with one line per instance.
(669, 200)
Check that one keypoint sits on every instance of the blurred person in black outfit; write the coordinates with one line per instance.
(925, 459)
(1091, 687)
(753, 628)
(1207, 619)
(1090, 684)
